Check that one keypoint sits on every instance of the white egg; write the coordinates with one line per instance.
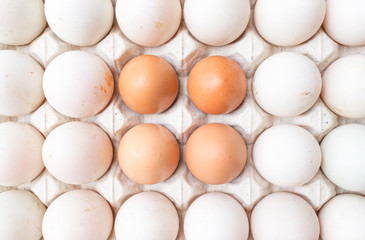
(148, 23)
(78, 84)
(284, 216)
(78, 215)
(21, 21)
(288, 22)
(344, 156)
(216, 22)
(215, 216)
(287, 84)
(77, 152)
(147, 215)
(343, 88)
(287, 155)
(20, 83)
(20, 153)
(21, 215)
(80, 22)
(343, 217)
(345, 21)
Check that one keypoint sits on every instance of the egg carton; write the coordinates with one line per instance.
(182, 118)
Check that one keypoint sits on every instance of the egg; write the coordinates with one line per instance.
(287, 84)
(287, 155)
(148, 84)
(217, 22)
(21, 21)
(147, 215)
(343, 217)
(78, 84)
(148, 23)
(21, 214)
(217, 85)
(20, 153)
(345, 21)
(344, 156)
(20, 83)
(284, 216)
(77, 152)
(80, 22)
(215, 153)
(343, 86)
(288, 22)
(215, 216)
(148, 153)
(78, 215)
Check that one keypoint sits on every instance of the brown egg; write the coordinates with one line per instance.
(148, 84)
(217, 85)
(215, 153)
(148, 153)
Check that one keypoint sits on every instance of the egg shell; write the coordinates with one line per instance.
(344, 156)
(215, 216)
(78, 84)
(148, 23)
(288, 22)
(148, 84)
(284, 216)
(287, 84)
(77, 152)
(249, 50)
(218, 23)
(21, 21)
(20, 83)
(20, 153)
(148, 153)
(215, 153)
(217, 85)
(343, 217)
(345, 21)
(21, 215)
(80, 22)
(343, 86)
(287, 155)
(147, 215)
(78, 215)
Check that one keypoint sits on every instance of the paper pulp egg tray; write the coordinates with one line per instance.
(182, 118)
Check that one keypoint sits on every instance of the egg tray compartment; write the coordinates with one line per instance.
(182, 118)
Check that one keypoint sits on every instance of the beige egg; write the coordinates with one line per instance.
(148, 153)
(215, 153)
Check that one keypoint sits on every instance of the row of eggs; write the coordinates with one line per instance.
(80, 84)
(151, 215)
(152, 23)
(215, 153)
